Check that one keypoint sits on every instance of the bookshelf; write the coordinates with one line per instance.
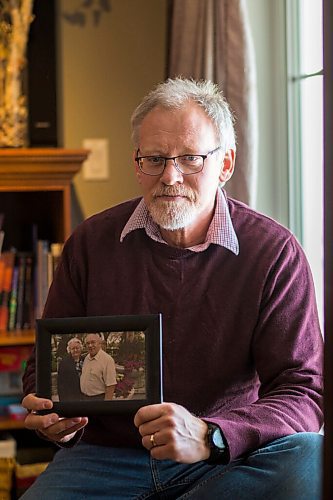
(20, 337)
(35, 191)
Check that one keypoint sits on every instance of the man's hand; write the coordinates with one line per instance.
(169, 431)
(52, 426)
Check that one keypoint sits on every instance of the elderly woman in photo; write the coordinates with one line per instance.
(69, 372)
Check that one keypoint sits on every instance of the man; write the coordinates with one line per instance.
(98, 379)
(242, 349)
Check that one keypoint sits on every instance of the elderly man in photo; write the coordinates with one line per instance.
(98, 379)
(242, 347)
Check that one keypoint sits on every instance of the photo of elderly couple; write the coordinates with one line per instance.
(98, 366)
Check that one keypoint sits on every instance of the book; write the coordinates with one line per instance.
(2, 272)
(13, 300)
(49, 269)
(56, 251)
(28, 306)
(20, 289)
(2, 275)
(53, 260)
(2, 236)
(8, 259)
(2, 232)
(41, 276)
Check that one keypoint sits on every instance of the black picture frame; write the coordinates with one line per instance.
(52, 336)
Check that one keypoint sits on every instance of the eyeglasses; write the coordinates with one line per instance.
(185, 164)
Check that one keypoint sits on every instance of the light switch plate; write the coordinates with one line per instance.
(96, 166)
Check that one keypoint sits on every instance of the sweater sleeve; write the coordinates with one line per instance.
(287, 349)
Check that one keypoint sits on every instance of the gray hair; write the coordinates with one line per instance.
(71, 341)
(175, 93)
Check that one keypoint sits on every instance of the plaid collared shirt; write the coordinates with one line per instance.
(220, 232)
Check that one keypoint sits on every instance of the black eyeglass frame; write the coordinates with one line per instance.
(174, 158)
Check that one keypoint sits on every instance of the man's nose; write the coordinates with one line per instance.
(171, 175)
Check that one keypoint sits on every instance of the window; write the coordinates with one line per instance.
(305, 115)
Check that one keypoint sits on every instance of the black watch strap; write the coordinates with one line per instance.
(219, 451)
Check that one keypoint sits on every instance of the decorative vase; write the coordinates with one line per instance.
(15, 19)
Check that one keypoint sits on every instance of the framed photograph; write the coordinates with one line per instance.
(99, 365)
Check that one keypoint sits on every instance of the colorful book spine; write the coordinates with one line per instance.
(13, 300)
(25, 278)
(20, 290)
(8, 258)
(27, 316)
(42, 275)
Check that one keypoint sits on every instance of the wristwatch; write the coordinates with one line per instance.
(219, 451)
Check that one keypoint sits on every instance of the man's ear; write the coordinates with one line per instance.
(228, 166)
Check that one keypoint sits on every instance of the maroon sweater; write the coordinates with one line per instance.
(241, 339)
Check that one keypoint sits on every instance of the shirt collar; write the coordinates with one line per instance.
(220, 232)
(97, 355)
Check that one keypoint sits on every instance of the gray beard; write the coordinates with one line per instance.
(172, 215)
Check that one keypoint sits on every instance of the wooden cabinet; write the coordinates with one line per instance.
(35, 192)
(35, 187)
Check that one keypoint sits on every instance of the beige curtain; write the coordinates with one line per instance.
(211, 39)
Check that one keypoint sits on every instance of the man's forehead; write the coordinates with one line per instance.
(186, 124)
(93, 337)
(186, 109)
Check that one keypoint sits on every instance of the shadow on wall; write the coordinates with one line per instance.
(76, 211)
(85, 9)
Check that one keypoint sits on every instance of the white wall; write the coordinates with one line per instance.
(105, 70)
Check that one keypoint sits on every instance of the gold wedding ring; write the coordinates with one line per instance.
(152, 440)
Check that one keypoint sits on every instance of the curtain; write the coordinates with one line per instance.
(211, 39)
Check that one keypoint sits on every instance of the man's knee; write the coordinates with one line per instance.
(306, 444)
(295, 450)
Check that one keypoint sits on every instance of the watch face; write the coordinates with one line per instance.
(218, 447)
(218, 439)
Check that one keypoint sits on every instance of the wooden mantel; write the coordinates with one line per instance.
(34, 165)
(36, 171)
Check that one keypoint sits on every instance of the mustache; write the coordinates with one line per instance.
(174, 191)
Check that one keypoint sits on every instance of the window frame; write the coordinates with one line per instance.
(296, 178)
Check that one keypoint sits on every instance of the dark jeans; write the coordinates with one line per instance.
(286, 469)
